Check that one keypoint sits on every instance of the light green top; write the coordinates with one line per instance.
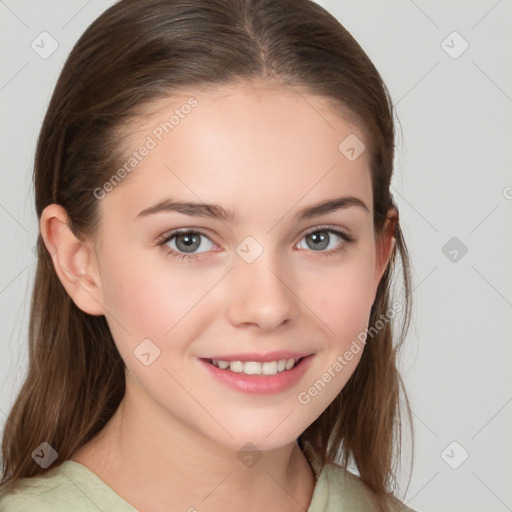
(72, 487)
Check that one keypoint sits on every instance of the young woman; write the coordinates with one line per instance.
(212, 314)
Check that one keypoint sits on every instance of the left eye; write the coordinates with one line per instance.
(321, 239)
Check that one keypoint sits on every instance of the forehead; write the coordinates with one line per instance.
(226, 145)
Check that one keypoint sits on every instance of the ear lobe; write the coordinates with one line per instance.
(73, 259)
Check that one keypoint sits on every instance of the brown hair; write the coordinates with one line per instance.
(140, 51)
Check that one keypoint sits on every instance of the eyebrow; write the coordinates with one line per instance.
(218, 212)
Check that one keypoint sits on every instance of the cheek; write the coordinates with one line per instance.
(342, 296)
(151, 302)
(167, 305)
(341, 299)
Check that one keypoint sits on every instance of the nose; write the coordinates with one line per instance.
(261, 295)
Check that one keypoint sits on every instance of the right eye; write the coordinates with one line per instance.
(185, 242)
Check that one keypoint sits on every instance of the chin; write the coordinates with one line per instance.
(271, 437)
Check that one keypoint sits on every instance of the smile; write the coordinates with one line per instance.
(255, 367)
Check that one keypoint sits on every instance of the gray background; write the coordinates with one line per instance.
(452, 179)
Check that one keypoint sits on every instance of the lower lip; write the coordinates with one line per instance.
(261, 384)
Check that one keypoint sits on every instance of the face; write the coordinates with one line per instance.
(274, 281)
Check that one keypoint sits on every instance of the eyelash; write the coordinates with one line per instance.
(347, 240)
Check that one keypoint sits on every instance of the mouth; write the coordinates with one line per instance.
(259, 374)
(256, 367)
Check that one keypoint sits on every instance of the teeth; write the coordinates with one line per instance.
(250, 368)
(255, 367)
(269, 368)
(236, 366)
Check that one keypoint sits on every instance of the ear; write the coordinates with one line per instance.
(74, 260)
(384, 247)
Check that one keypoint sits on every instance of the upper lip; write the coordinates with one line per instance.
(258, 357)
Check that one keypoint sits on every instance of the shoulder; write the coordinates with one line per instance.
(338, 488)
(66, 487)
(48, 491)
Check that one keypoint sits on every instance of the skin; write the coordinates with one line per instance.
(266, 153)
